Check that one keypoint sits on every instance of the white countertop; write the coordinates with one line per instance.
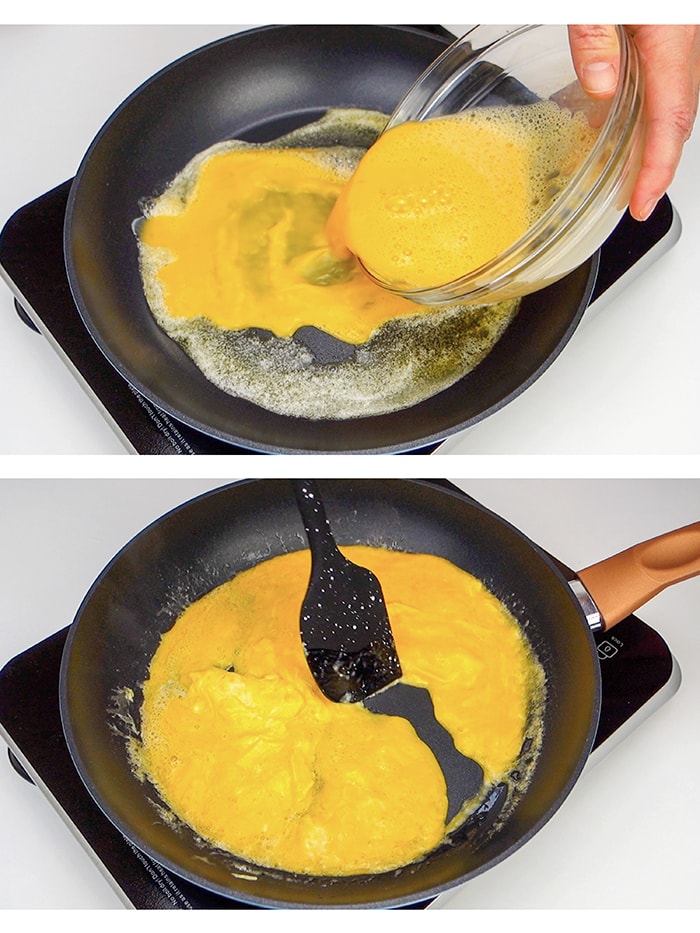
(627, 383)
(625, 837)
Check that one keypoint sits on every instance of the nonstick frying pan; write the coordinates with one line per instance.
(206, 541)
(257, 85)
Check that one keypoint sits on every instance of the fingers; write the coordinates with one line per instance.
(596, 57)
(670, 57)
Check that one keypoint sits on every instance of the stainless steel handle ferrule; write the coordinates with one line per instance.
(593, 616)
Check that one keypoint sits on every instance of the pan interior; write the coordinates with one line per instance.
(204, 543)
(253, 85)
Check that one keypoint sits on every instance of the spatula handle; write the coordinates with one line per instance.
(313, 514)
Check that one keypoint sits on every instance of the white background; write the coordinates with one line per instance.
(627, 383)
(626, 836)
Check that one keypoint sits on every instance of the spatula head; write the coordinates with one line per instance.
(345, 631)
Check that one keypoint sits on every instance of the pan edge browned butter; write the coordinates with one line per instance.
(244, 748)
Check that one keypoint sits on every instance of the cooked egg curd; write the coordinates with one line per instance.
(244, 747)
(434, 200)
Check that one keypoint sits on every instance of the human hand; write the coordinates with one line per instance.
(670, 57)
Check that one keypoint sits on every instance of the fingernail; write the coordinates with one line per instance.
(648, 209)
(599, 77)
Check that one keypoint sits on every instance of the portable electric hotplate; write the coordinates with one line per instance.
(32, 262)
(638, 674)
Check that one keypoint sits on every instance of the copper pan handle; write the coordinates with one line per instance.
(624, 582)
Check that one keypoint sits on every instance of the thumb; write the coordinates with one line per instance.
(596, 56)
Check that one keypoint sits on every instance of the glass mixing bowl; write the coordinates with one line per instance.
(517, 65)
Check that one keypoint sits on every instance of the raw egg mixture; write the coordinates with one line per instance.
(243, 746)
(252, 243)
(236, 262)
(499, 170)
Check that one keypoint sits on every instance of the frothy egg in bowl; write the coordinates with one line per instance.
(237, 266)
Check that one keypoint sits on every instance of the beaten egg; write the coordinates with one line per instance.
(432, 201)
(250, 248)
(243, 746)
(236, 261)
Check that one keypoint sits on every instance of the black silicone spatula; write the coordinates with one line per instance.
(350, 648)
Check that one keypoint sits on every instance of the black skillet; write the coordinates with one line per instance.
(257, 85)
(203, 543)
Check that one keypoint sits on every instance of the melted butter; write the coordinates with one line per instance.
(244, 747)
(432, 201)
